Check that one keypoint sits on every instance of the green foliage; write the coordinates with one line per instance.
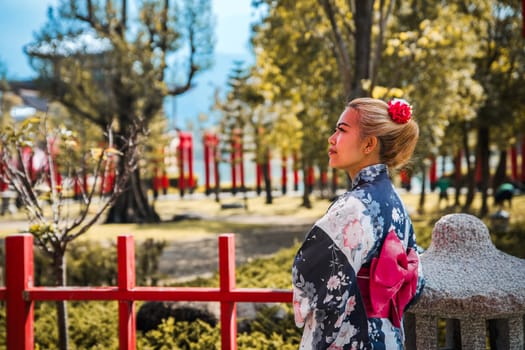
(91, 263)
(277, 323)
(423, 229)
(268, 273)
(510, 241)
(46, 332)
(268, 332)
(181, 335)
(147, 261)
(94, 263)
(261, 341)
(93, 325)
(3, 332)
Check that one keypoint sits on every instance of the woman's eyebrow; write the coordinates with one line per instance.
(342, 123)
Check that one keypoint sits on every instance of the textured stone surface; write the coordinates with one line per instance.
(467, 276)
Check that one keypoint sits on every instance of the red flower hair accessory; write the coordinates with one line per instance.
(399, 110)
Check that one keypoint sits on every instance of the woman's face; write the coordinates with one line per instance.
(348, 151)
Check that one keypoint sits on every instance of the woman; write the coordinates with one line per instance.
(358, 268)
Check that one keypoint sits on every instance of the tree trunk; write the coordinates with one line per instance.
(471, 173)
(217, 188)
(334, 183)
(483, 144)
(59, 266)
(363, 18)
(501, 170)
(267, 182)
(422, 196)
(457, 179)
(306, 193)
(322, 184)
(342, 53)
(132, 205)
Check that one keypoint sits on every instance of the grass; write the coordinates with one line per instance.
(230, 220)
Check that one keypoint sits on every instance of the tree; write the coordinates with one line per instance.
(501, 72)
(63, 172)
(248, 114)
(295, 64)
(432, 62)
(109, 71)
(456, 76)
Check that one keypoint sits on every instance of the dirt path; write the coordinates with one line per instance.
(188, 259)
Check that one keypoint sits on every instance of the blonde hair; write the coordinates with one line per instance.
(396, 141)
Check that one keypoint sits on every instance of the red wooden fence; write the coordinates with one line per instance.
(20, 293)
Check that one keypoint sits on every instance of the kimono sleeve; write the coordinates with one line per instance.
(325, 291)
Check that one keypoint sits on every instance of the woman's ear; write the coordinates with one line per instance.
(370, 144)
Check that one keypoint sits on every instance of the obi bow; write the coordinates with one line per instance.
(390, 283)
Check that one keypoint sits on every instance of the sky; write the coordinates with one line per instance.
(19, 19)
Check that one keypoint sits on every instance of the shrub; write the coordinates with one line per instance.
(171, 335)
(93, 325)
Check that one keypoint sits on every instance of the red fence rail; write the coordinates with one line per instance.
(20, 293)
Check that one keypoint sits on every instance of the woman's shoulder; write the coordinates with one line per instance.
(347, 208)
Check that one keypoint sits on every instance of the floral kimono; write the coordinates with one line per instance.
(357, 269)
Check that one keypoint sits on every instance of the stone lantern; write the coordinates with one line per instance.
(476, 291)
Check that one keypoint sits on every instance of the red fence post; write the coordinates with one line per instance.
(19, 277)
(126, 282)
(227, 284)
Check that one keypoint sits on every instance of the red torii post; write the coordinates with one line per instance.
(241, 161)
(236, 158)
(185, 153)
(284, 173)
(523, 159)
(258, 177)
(269, 167)
(295, 172)
(211, 141)
(310, 178)
(207, 149)
(233, 165)
(432, 173)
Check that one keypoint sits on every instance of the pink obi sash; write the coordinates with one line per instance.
(388, 285)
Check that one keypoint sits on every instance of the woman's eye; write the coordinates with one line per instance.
(338, 128)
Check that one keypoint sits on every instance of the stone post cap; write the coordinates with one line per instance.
(461, 234)
(467, 275)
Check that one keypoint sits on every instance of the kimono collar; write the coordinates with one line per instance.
(369, 174)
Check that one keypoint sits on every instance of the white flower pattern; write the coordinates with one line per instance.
(324, 274)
